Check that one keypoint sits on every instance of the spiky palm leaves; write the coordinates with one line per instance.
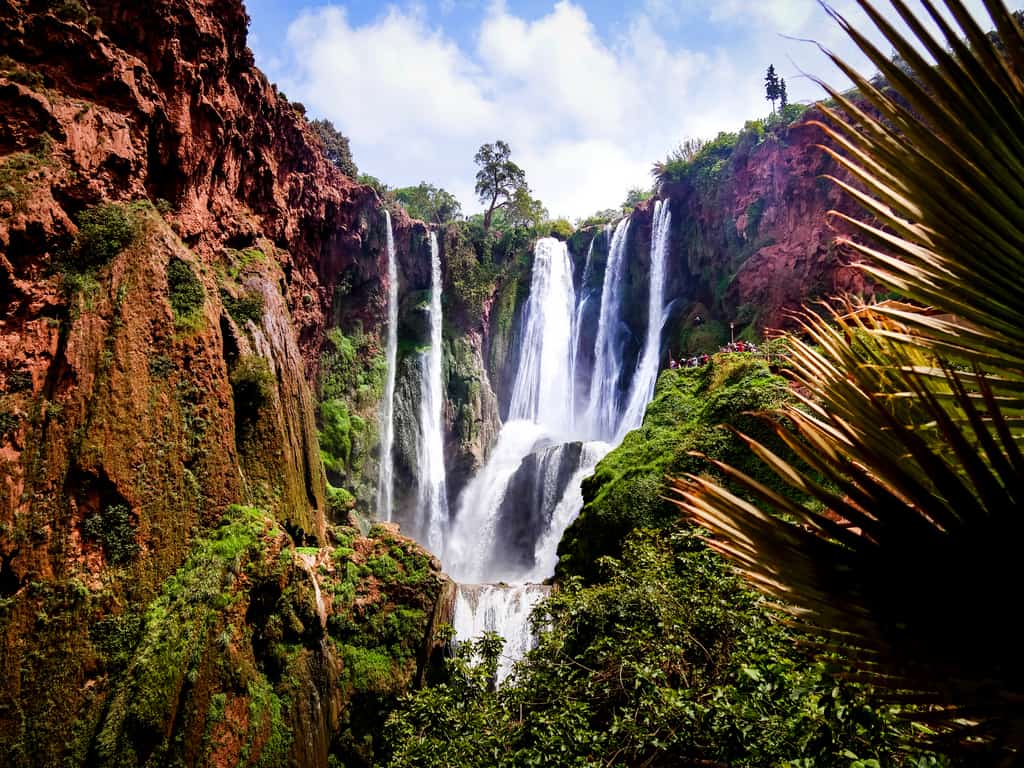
(910, 558)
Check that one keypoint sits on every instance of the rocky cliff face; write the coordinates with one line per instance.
(751, 241)
(177, 260)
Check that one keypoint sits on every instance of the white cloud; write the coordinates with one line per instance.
(585, 113)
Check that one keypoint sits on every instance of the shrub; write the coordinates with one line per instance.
(562, 229)
(185, 293)
(71, 10)
(103, 232)
(252, 384)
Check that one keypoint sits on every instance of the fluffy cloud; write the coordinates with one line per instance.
(586, 112)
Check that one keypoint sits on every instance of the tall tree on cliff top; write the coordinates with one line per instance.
(498, 179)
(771, 86)
(908, 437)
(336, 148)
(429, 203)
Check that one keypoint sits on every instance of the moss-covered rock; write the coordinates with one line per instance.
(627, 488)
(260, 653)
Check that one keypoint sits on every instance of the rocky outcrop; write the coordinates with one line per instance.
(176, 256)
(751, 241)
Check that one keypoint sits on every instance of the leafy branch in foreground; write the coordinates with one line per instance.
(908, 433)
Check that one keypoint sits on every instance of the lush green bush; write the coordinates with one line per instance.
(560, 228)
(186, 294)
(669, 661)
(702, 166)
(104, 231)
(335, 145)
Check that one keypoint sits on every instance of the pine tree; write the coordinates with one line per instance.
(783, 96)
(771, 86)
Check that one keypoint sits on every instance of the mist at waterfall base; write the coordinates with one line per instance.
(502, 540)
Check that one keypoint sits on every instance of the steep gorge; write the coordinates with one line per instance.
(230, 353)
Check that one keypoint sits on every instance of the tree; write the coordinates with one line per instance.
(634, 197)
(498, 178)
(429, 203)
(335, 147)
(524, 210)
(783, 96)
(906, 551)
(771, 86)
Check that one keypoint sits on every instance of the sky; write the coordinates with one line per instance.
(588, 94)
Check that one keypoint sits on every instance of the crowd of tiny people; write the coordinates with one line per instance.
(698, 360)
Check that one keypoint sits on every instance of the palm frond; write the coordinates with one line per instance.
(906, 434)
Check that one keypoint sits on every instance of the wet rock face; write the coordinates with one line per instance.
(471, 413)
(533, 493)
(147, 383)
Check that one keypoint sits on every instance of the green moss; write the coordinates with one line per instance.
(368, 670)
(626, 489)
(252, 383)
(186, 295)
(246, 308)
(177, 627)
(114, 530)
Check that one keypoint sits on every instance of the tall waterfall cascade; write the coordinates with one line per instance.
(432, 493)
(603, 406)
(646, 375)
(574, 397)
(385, 483)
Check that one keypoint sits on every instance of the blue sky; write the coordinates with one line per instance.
(588, 94)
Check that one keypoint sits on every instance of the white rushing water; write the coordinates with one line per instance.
(602, 415)
(468, 552)
(583, 300)
(646, 375)
(432, 501)
(543, 386)
(506, 610)
(510, 517)
(385, 479)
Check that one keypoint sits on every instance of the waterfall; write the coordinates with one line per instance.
(542, 392)
(603, 409)
(503, 609)
(432, 502)
(472, 539)
(512, 514)
(385, 482)
(569, 505)
(583, 298)
(646, 375)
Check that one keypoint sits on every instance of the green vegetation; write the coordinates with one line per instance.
(174, 654)
(335, 147)
(498, 179)
(252, 384)
(19, 73)
(246, 308)
(429, 203)
(112, 527)
(910, 444)
(668, 661)
(20, 171)
(627, 488)
(186, 294)
(352, 372)
(104, 231)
